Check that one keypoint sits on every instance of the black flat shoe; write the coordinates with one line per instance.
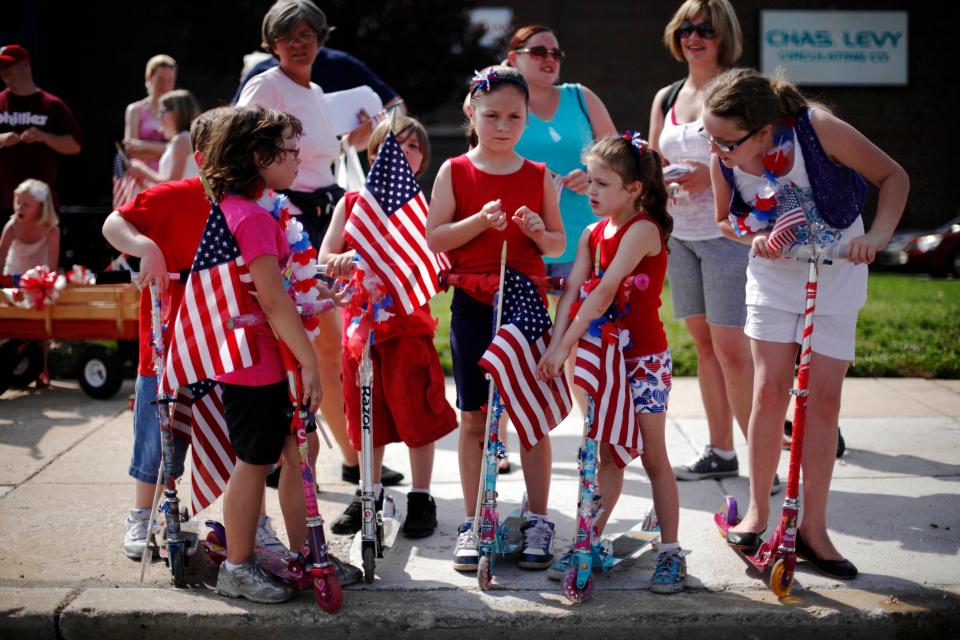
(745, 541)
(839, 569)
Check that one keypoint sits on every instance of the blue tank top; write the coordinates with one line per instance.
(559, 143)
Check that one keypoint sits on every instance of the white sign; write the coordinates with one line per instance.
(835, 47)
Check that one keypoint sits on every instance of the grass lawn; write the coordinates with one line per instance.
(910, 327)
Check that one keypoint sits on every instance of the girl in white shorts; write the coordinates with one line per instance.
(774, 155)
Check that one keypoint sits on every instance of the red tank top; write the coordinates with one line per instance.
(472, 189)
(643, 319)
(418, 323)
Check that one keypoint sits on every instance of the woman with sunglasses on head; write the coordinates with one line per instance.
(294, 31)
(707, 271)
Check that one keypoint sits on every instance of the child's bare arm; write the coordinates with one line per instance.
(125, 237)
(339, 263)
(443, 234)
(282, 314)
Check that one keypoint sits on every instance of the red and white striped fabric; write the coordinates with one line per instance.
(388, 227)
(535, 407)
(790, 218)
(202, 346)
(601, 371)
(202, 423)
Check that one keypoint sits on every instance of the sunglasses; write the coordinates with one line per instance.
(724, 146)
(704, 29)
(542, 52)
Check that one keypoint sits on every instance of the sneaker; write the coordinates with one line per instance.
(351, 520)
(421, 515)
(136, 533)
(776, 487)
(537, 544)
(347, 573)
(708, 465)
(267, 538)
(388, 477)
(250, 581)
(671, 572)
(465, 557)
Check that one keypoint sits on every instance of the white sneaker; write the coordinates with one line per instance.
(136, 533)
(465, 556)
(267, 538)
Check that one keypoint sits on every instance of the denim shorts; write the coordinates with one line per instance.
(471, 332)
(145, 459)
(709, 278)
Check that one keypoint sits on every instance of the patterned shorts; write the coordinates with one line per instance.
(650, 381)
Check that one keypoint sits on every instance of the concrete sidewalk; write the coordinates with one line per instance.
(894, 511)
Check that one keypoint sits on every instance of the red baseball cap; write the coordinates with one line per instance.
(13, 53)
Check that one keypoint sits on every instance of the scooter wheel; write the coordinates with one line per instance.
(369, 563)
(327, 593)
(484, 573)
(570, 590)
(215, 547)
(176, 560)
(781, 578)
(730, 511)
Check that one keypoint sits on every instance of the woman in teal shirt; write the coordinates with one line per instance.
(563, 120)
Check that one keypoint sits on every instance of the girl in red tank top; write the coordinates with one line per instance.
(481, 199)
(403, 349)
(627, 191)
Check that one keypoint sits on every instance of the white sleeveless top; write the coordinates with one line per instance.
(781, 284)
(190, 168)
(694, 216)
(24, 256)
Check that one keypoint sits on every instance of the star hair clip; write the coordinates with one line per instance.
(636, 141)
(482, 80)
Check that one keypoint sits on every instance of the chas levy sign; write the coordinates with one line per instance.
(835, 47)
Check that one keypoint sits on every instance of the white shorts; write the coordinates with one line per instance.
(834, 336)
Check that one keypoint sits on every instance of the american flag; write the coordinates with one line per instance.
(124, 185)
(535, 407)
(388, 227)
(202, 346)
(601, 371)
(198, 419)
(790, 216)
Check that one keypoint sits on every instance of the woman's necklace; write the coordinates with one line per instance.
(775, 162)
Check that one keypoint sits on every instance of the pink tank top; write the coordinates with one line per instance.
(150, 131)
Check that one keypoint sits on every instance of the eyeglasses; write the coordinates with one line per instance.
(304, 37)
(294, 152)
(542, 52)
(704, 29)
(724, 146)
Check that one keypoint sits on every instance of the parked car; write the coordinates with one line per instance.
(936, 252)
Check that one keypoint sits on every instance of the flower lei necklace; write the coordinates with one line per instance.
(299, 275)
(774, 161)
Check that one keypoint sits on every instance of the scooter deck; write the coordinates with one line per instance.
(275, 563)
(720, 519)
(631, 543)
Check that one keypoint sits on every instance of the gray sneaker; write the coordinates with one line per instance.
(708, 465)
(136, 533)
(250, 581)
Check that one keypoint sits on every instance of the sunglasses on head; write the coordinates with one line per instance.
(726, 147)
(542, 52)
(704, 29)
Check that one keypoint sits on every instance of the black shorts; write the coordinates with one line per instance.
(471, 331)
(258, 421)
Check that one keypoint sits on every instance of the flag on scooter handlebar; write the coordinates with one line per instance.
(789, 219)
(601, 371)
(198, 419)
(534, 406)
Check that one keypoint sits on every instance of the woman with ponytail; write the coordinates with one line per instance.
(776, 155)
(628, 193)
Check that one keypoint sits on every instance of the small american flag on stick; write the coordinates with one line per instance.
(534, 406)
(202, 346)
(790, 217)
(388, 226)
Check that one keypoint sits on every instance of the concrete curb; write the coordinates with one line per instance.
(163, 613)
